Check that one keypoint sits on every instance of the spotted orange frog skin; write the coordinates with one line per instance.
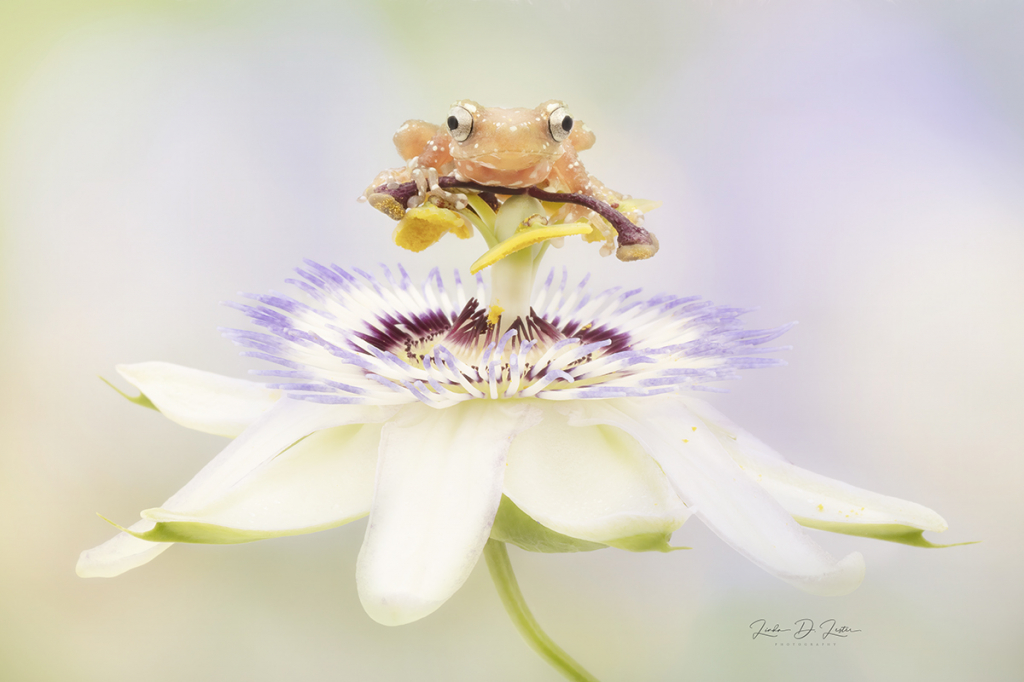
(500, 147)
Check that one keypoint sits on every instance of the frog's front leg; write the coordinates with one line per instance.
(433, 160)
(390, 179)
(413, 140)
(425, 148)
(428, 185)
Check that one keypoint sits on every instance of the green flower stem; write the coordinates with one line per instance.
(512, 276)
(508, 589)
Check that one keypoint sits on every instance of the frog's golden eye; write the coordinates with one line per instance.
(460, 123)
(560, 124)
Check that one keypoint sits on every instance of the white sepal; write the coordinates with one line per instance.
(324, 480)
(200, 400)
(806, 494)
(723, 496)
(277, 429)
(120, 553)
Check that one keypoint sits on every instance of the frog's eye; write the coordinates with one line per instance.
(460, 123)
(560, 124)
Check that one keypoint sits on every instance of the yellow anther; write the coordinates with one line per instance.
(424, 225)
(525, 238)
(494, 313)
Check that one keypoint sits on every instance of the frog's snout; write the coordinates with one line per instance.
(508, 170)
(509, 161)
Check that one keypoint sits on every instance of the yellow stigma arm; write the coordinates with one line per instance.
(525, 237)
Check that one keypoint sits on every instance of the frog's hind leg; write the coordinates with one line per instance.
(413, 137)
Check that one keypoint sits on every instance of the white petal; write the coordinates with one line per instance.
(806, 494)
(322, 481)
(284, 424)
(278, 428)
(590, 482)
(201, 400)
(439, 477)
(120, 553)
(720, 494)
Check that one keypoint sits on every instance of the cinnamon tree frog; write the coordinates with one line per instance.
(510, 148)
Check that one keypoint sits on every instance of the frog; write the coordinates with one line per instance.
(499, 147)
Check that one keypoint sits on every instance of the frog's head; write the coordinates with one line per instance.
(507, 147)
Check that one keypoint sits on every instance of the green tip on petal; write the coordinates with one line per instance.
(197, 533)
(647, 542)
(890, 532)
(169, 529)
(202, 534)
(115, 525)
(140, 399)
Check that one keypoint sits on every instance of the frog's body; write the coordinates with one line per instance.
(502, 148)
(532, 150)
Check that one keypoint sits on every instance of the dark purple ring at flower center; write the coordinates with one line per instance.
(406, 334)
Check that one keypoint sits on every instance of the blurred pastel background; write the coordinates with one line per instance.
(856, 166)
